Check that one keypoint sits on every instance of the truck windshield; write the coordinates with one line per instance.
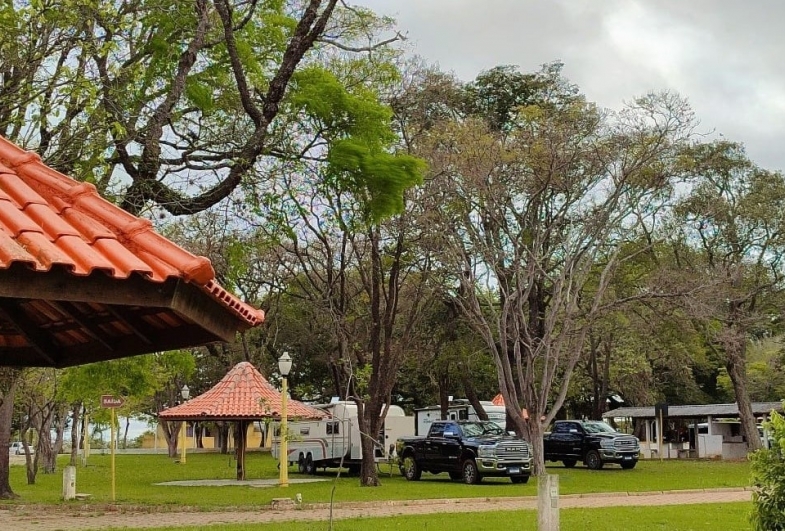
(597, 427)
(477, 429)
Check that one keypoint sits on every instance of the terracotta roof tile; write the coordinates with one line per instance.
(47, 219)
(242, 394)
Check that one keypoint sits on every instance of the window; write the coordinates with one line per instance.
(305, 431)
(332, 428)
(437, 430)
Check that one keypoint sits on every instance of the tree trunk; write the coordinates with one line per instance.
(9, 379)
(31, 464)
(444, 397)
(125, 431)
(45, 452)
(171, 431)
(240, 442)
(737, 370)
(369, 476)
(471, 394)
(223, 432)
(76, 408)
(534, 434)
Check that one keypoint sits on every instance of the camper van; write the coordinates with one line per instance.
(459, 409)
(335, 440)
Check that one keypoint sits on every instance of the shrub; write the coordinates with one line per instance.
(768, 478)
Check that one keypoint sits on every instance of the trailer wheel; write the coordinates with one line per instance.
(411, 471)
(354, 469)
(310, 466)
(301, 464)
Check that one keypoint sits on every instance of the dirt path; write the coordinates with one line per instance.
(47, 519)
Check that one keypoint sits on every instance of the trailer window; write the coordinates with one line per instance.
(332, 428)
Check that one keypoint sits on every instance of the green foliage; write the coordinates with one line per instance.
(768, 478)
(359, 136)
(378, 179)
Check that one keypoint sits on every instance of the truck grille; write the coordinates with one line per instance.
(626, 444)
(513, 450)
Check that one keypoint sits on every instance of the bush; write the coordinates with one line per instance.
(768, 477)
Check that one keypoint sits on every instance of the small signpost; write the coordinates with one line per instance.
(112, 402)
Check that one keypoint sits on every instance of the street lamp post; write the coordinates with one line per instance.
(284, 365)
(186, 394)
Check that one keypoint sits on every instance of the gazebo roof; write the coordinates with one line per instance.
(243, 394)
(82, 280)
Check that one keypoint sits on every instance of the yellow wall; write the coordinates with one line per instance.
(254, 438)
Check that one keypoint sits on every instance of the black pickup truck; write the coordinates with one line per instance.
(593, 442)
(466, 450)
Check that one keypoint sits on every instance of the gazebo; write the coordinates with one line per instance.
(242, 396)
(82, 280)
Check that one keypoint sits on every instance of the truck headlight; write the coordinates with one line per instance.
(485, 451)
(606, 443)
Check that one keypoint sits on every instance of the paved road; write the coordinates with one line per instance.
(24, 518)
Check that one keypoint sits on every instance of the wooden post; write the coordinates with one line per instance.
(660, 434)
(548, 502)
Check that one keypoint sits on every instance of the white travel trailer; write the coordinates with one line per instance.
(335, 441)
(459, 409)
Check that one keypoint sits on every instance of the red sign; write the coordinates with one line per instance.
(111, 401)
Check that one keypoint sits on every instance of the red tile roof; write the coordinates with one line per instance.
(49, 220)
(242, 394)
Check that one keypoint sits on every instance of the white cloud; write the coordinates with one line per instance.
(723, 55)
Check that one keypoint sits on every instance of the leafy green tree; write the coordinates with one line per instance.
(532, 220)
(165, 103)
(728, 252)
(768, 478)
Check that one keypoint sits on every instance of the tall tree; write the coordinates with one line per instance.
(728, 249)
(532, 218)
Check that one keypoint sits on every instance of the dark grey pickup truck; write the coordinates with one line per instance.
(593, 442)
(466, 450)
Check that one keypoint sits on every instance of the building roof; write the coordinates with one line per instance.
(243, 394)
(82, 280)
(695, 411)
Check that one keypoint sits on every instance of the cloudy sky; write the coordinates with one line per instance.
(725, 56)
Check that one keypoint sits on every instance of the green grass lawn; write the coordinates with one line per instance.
(137, 475)
(708, 517)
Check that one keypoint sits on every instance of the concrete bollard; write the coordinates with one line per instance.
(69, 483)
(548, 503)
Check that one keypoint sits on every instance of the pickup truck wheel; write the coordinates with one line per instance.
(470, 474)
(411, 470)
(592, 460)
(569, 463)
(629, 466)
(519, 479)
